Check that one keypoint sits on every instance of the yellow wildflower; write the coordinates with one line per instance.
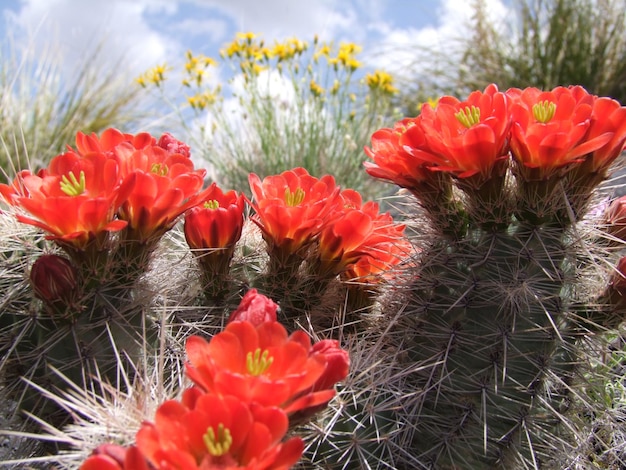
(381, 81)
(346, 57)
(202, 100)
(322, 51)
(281, 52)
(248, 37)
(349, 48)
(232, 49)
(297, 46)
(196, 67)
(316, 89)
(353, 64)
(251, 68)
(155, 76)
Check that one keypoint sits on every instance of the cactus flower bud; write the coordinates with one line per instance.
(337, 363)
(615, 218)
(115, 457)
(54, 278)
(255, 308)
(173, 145)
(337, 368)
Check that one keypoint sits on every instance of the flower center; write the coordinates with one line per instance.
(257, 362)
(211, 204)
(159, 169)
(218, 443)
(468, 116)
(72, 186)
(295, 198)
(544, 111)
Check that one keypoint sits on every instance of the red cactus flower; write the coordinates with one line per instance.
(291, 208)
(216, 222)
(608, 122)
(166, 183)
(356, 231)
(109, 140)
(255, 308)
(10, 192)
(373, 268)
(218, 432)
(469, 137)
(146, 183)
(115, 457)
(75, 199)
(550, 130)
(258, 364)
(166, 186)
(397, 161)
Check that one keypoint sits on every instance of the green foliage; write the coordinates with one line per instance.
(545, 43)
(550, 43)
(42, 108)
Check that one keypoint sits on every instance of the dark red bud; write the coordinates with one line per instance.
(54, 278)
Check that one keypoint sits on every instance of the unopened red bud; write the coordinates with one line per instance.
(116, 457)
(615, 218)
(618, 280)
(54, 278)
(337, 363)
(255, 308)
(173, 145)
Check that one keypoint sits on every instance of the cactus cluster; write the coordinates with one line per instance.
(112, 285)
(509, 300)
(483, 330)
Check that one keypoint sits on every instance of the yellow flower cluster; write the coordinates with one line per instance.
(246, 46)
(346, 55)
(316, 89)
(154, 76)
(248, 54)
(202, 100)
(284, 51)
(196, 68)
(382, 82)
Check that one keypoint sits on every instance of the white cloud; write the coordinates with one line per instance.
(77, 27)
(279, 19)
(404, 48)
(215, 30)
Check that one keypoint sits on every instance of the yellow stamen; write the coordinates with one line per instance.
(544, 111)
(212, 204)
(295, 198)
(159, 168)
(219, 444)
(468, 116)
(71, 186)
(258, 363)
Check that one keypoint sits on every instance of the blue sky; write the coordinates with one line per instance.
(150, 32)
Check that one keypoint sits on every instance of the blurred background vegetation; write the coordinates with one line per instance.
(337, 104)
(543, 43)
(42, 106)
